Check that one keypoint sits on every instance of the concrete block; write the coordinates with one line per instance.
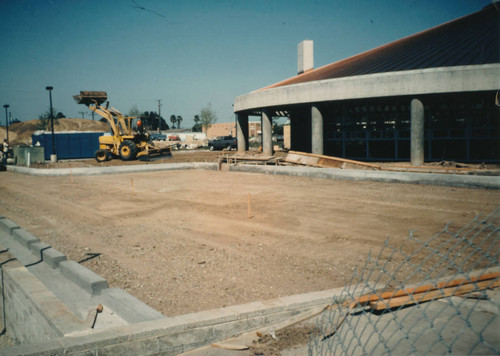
(187, 339)
(24, 237)
(154, 328)
(7, 226)
(27, 321)
(308, 300)
(83, 277)
(148, 346)
(254, 309)
(48, 348)
(271, 319)
(94, 340)
(53, 257)
(128, 307)
(209, 317)
(38, 247)
(224, 331)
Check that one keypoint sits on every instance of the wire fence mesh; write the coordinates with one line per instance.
(426, 297)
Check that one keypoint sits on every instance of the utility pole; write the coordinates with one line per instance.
(6, 106)
(159, 115)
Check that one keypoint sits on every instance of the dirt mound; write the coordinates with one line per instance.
(20, 133)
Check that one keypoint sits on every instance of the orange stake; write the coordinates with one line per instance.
(249, 211)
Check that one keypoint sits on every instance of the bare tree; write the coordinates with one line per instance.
(134, 111)
(208, 117)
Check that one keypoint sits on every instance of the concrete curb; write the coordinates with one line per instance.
(466, 181)
(58, 172)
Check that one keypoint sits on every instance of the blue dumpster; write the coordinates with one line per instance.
(68, 144)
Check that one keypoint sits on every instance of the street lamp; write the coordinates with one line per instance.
(53, 157)
(6, 121)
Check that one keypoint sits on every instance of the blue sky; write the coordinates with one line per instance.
(187, 53)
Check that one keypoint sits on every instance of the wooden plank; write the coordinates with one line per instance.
(433, 295)
(324, 161)
(365, 299)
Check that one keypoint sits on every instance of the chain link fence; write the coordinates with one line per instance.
(425, 297)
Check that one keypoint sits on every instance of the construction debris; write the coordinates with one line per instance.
(309, 159)
(251, 159)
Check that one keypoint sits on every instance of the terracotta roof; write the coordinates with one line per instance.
(470, 40)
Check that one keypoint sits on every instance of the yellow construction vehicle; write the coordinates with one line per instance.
(124, 141)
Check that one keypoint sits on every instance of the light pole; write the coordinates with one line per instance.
(159, 116)
(6, 121)
(53, 157)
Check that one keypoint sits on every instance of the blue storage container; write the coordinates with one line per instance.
(68, 144)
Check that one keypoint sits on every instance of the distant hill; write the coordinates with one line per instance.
(20, 133)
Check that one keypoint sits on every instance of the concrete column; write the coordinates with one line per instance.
(316, 131)
(267, 134)
(417, 133)
(242, 132)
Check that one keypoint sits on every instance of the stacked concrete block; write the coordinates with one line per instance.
(24, 237)
(83, 277)
(47, 254)
(7, 226)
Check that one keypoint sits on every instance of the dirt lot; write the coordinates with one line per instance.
(182, 241)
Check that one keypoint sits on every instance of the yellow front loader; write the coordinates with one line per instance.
(124, 141)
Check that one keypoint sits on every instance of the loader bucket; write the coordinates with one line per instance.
(91, 97)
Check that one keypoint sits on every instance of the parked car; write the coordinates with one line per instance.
(219, 143)
(155, 136)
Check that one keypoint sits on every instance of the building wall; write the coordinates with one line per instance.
(254, 128)
(221, 129)
(460, 127)
(286, 137)
(229, 129)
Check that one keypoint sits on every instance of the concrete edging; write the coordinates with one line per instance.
(184, 332)
(54, 329)
(80, 171)
(83, 277)
(466, 181)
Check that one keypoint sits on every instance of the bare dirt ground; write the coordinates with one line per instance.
(182, 241)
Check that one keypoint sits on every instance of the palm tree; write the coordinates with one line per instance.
(173, 120)
(179, 120)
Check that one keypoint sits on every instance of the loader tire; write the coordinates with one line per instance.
(127, 150)
(101, 156)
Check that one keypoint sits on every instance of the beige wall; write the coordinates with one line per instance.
(221, 129)
(286, 137)
(229, 129)
(253, 128)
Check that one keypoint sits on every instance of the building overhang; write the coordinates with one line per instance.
(471, 78)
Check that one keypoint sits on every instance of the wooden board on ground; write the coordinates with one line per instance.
(315, 160)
